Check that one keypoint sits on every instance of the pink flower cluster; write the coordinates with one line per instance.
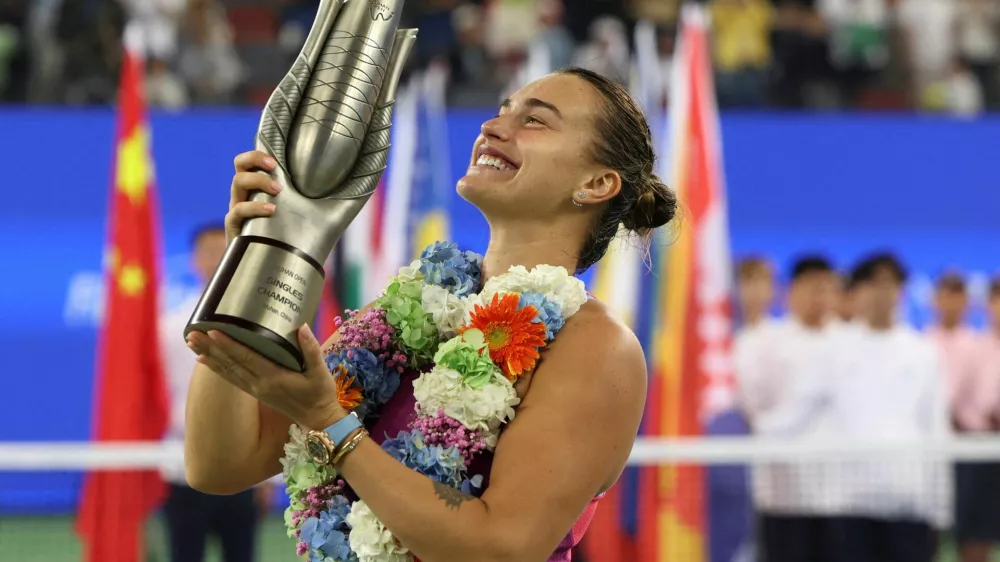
(445, 432)
(317, 499)
(369, 331)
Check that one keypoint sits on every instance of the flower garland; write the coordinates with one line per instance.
(476, 344)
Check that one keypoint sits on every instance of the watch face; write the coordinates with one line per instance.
(317, 450)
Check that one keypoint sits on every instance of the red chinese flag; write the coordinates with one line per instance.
(130, 393)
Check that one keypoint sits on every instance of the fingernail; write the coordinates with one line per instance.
(270, 162)
(277, 186)
(269, 207)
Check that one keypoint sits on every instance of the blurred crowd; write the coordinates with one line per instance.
(937, 55)
(842, 364)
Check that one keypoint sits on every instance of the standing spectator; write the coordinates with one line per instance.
(888, 383)
(163, 87)
(958, 345)
(192, 516)
(977, 504)
(782, 374)
(755, 292)
(14, 61)
(801, 64)
(979, 44)
(742, 49)
(930, 46)
(607, 51)
(859, 47)
(208, 62)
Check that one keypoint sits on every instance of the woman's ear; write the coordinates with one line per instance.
(601, 188)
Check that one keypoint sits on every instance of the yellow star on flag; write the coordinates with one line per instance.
(135, 167)
(132, 280)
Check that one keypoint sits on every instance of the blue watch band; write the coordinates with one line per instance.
(339, 431)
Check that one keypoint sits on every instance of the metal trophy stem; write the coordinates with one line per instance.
(327, 125)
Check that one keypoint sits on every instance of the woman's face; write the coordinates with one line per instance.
(532, 158)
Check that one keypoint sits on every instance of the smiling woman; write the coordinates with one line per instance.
(513, 398)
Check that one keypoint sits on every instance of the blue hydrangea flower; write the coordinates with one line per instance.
(549, 312)
(327, 535)
(443, 264)
(473, 486)
(378, 381)
(435, 462)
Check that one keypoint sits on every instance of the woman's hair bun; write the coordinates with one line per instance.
(655, 207)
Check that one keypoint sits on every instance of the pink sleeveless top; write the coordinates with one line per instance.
(400, 411)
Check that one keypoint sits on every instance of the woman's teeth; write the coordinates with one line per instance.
(494, 162)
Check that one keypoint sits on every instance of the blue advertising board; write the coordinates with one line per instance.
(926, 188)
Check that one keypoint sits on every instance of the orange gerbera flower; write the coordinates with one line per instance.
(512, 337)
(348, 396)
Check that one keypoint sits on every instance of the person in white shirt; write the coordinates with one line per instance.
(888, 383)
(778, 370)
(755, 290)
(192, 516)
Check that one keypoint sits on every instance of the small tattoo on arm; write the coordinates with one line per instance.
(452, 497)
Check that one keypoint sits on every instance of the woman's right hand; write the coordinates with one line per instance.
(248, 179)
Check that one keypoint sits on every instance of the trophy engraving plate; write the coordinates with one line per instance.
(272, 288)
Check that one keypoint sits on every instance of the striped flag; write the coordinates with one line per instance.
(622, 280)
(393, 224)
(691, 363)
(432, 174)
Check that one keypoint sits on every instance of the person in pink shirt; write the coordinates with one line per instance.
(978, 511)
(959, 345)
(970, 380)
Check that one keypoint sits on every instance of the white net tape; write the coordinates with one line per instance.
(45, 456)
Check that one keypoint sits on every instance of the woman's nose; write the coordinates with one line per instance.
(496, 128)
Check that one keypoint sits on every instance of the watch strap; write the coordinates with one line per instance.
(343, 428)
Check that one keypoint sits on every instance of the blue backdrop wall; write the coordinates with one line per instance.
(925, 187)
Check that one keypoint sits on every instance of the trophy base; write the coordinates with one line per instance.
(261, 294)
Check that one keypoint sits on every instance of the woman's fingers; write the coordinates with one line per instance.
(254, 160)
(243, 211)
(246, 182)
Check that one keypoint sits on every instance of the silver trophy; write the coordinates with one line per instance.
(327, 125)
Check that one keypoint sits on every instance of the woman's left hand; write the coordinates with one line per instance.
(309, 399)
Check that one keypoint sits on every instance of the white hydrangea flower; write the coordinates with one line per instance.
(410, 272)
(483, 408)
(469, 304)
(447, 310)
(370, 540)
(555, 282)
(296, 453)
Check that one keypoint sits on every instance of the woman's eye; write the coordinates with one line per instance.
(533, 119)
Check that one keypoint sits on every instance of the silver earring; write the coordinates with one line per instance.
(581, 195)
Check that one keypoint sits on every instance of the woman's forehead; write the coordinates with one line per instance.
(568, 95)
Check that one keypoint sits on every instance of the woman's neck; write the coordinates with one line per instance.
(529, 247)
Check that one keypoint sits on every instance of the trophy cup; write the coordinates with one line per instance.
(327, 125)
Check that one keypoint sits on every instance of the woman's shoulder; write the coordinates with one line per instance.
(594, 341)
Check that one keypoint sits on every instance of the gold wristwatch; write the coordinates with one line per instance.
(323, 444)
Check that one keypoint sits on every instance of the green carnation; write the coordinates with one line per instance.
(416, 332)
(468, 354)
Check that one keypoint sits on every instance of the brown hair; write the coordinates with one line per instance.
(753, 266)
(623, 143)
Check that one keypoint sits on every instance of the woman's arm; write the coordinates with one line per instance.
(569, 441)
(232, 441)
